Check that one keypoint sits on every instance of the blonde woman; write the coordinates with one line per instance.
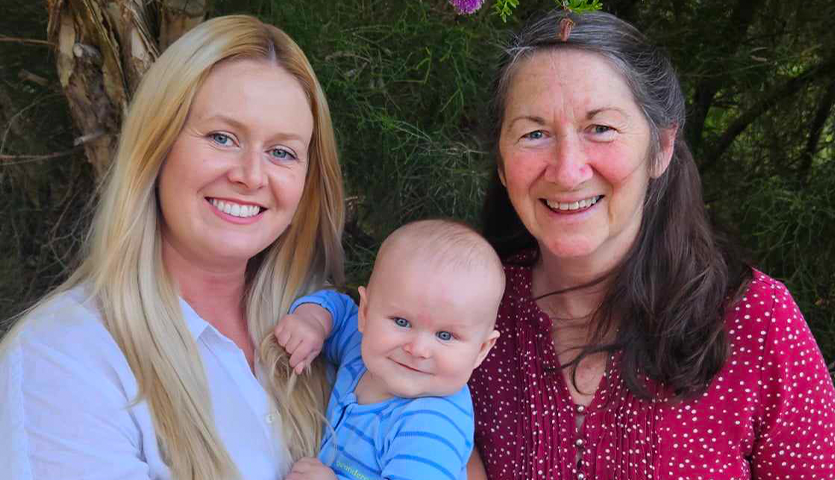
(224, 203)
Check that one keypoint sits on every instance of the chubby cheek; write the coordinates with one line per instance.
(378, 340)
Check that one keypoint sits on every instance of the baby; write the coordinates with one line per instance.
(400, 407)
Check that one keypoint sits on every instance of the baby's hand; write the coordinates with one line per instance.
(302, 334)
(310, 469)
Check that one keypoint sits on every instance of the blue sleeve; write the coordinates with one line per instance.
(433, 438)
(343, 312)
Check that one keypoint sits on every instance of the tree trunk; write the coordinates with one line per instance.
(104, 47)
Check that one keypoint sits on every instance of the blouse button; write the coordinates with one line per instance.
(579, 443)
(581, 409)
(580, 476)
(271, 417)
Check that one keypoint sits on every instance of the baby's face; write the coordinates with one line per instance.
(425, 329)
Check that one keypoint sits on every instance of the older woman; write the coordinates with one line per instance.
(224, 204)
(634, 344)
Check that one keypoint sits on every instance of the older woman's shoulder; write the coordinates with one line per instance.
(763, 314)
(763, 284)
(763, 296)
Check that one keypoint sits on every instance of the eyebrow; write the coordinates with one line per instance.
(530, 118)
(223, 118)
(592, 113)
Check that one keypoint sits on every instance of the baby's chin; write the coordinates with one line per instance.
(409, 392)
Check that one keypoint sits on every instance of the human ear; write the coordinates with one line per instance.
(500, 170)
(485, 347)
(665, 155)
(362, 311)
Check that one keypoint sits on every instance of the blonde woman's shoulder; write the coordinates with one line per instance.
(66, 391)
(67, 318)
(64, 332)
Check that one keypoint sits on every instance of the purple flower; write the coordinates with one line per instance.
(466, 7)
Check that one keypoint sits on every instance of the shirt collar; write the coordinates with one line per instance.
(195, 324)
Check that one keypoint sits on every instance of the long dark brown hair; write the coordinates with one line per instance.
(670, 291)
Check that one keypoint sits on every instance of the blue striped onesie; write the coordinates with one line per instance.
(422, 438)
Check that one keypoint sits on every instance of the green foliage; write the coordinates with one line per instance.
(504, 8)
(791, 231)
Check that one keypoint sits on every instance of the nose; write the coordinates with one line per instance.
(249, 172)
(418, 346)
(568, 167)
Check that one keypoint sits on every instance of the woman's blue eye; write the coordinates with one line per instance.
(535, 135)
(602, 129)
(282, 154)
(445, 336)
(401, 322)
(221, 138)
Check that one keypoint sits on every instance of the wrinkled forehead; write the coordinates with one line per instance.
(557, 64)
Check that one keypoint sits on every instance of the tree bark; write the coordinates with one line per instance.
(104, 47)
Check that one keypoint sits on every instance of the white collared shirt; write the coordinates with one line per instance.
(65, 402)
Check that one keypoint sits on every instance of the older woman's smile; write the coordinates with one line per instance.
(572, 206)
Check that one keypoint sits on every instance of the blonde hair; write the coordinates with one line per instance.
(139, 304)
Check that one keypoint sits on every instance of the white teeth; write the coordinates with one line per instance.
(236, 210)
(584, 203)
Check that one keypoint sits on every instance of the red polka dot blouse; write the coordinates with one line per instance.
(769, 414)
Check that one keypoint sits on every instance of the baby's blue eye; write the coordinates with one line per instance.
(445, 336)
(401, 322)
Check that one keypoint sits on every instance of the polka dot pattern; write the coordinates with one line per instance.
(769, 414)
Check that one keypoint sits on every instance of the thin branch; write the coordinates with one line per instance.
(31, 77)
(816, 129)
(776, 95)
(27, 158)
(18, 114)
(27, 41)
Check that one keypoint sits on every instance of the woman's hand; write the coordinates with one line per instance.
(310, 469)
(302, 333)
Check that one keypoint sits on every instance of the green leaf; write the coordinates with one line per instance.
(504, 8)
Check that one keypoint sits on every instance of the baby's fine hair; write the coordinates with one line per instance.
(443, 242)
